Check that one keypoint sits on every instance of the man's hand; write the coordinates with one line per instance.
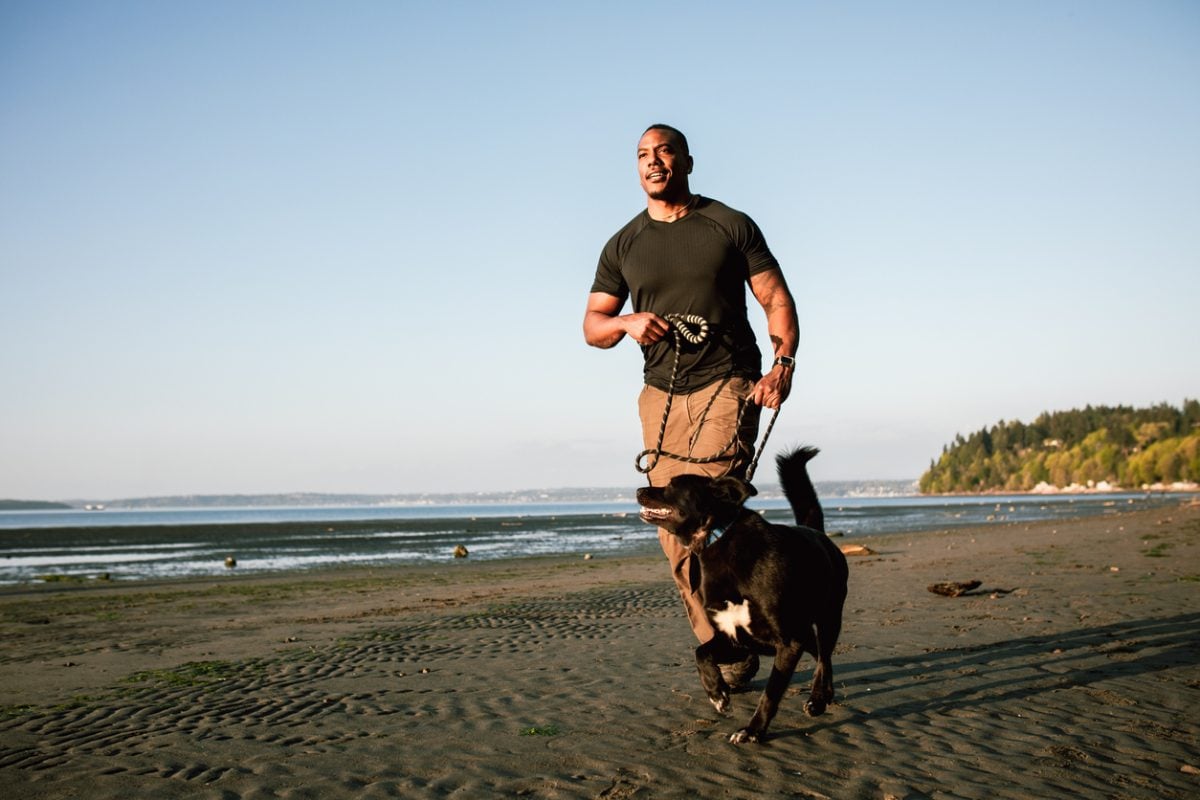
(645, 328)
(604, 325)
(773, 388)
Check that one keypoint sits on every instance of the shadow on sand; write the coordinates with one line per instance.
(946, 680)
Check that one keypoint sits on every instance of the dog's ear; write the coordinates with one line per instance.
(732, 491)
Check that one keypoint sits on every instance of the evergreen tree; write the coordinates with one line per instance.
(1120, 445)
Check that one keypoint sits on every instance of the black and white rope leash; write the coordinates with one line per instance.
(694, 329)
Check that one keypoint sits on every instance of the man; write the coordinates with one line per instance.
(687, 254)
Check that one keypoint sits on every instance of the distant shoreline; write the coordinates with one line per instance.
(830, 490)
(34, 505)
(566, 494)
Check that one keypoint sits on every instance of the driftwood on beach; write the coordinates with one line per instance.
(954, 589)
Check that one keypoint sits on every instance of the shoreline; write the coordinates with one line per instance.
(609, 496)
(1073, 669)
(212, 547)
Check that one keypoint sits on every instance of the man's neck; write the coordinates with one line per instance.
(664, 210)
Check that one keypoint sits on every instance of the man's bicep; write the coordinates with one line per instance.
(604, 303)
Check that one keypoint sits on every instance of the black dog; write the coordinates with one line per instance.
(769, 588)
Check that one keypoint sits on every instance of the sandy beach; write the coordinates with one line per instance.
(1072, 671)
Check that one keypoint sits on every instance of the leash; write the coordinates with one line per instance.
(694, 329)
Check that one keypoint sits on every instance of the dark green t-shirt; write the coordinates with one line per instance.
(696, 265)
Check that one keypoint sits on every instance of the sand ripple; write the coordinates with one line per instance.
(1080, 682)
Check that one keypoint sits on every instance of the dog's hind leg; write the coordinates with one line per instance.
(822, 683)
(786, 658)
(822, 689)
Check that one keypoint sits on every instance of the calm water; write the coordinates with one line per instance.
(139, 545)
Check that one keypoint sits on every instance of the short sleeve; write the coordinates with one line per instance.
(609, 279)
(750, 240)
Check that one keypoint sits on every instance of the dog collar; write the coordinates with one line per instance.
(719, 531)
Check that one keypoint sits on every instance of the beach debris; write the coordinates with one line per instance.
(230, 562)
(856, 550)
(954, 588)
(61, 577)
(460, 551)
(1188, 769)
(539, 730)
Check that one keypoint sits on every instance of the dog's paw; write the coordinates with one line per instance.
(720, 701)
(815, 707)
(743, 736)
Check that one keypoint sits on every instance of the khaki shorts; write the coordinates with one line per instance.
(700, 430)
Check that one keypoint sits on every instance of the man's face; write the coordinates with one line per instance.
(663, 167)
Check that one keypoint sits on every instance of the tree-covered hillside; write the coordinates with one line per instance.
(31, 505)
(1123, 446)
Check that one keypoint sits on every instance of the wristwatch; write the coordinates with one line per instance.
(785, 361)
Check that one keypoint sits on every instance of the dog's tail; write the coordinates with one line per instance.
(798, 487)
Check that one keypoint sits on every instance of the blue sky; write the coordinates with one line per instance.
(277, 246)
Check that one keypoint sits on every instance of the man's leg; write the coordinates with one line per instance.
(682, 563)
(683, 437)
(716, 411)
(713, 413)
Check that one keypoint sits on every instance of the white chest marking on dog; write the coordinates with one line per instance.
(732, 617)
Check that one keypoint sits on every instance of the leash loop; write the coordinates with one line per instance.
(682, 324)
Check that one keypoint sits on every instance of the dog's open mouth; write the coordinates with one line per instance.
(657, 514)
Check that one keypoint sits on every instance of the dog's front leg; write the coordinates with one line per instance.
(710, 675)
(786, 659)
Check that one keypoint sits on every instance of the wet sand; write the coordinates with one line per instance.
(1073, 670)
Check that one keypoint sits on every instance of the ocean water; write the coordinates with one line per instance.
(155, 544)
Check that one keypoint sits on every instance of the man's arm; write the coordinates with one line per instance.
(771, 291)
(604, 326)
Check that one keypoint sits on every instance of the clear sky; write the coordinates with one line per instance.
(345, 247)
